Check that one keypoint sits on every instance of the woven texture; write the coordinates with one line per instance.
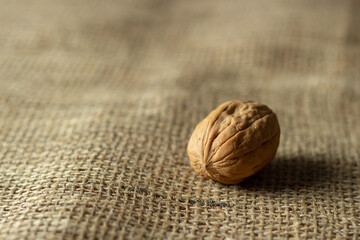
(99, 98)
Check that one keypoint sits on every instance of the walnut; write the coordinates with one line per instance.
(234, 141)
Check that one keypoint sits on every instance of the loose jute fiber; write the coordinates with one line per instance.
(98, 100)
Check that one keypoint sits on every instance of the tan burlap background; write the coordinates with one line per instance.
(99, 98)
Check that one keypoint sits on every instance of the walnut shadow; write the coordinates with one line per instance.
(318, 172)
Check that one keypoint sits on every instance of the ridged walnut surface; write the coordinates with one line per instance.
(234, 141)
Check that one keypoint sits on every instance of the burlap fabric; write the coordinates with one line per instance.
(99, 98)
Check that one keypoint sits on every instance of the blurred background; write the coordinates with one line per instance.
(197, 46)
(99, 98)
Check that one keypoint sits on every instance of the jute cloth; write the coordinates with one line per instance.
(99, 98)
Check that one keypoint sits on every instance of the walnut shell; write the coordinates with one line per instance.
(234, 141)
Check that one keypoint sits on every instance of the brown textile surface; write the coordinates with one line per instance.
(99, 98)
